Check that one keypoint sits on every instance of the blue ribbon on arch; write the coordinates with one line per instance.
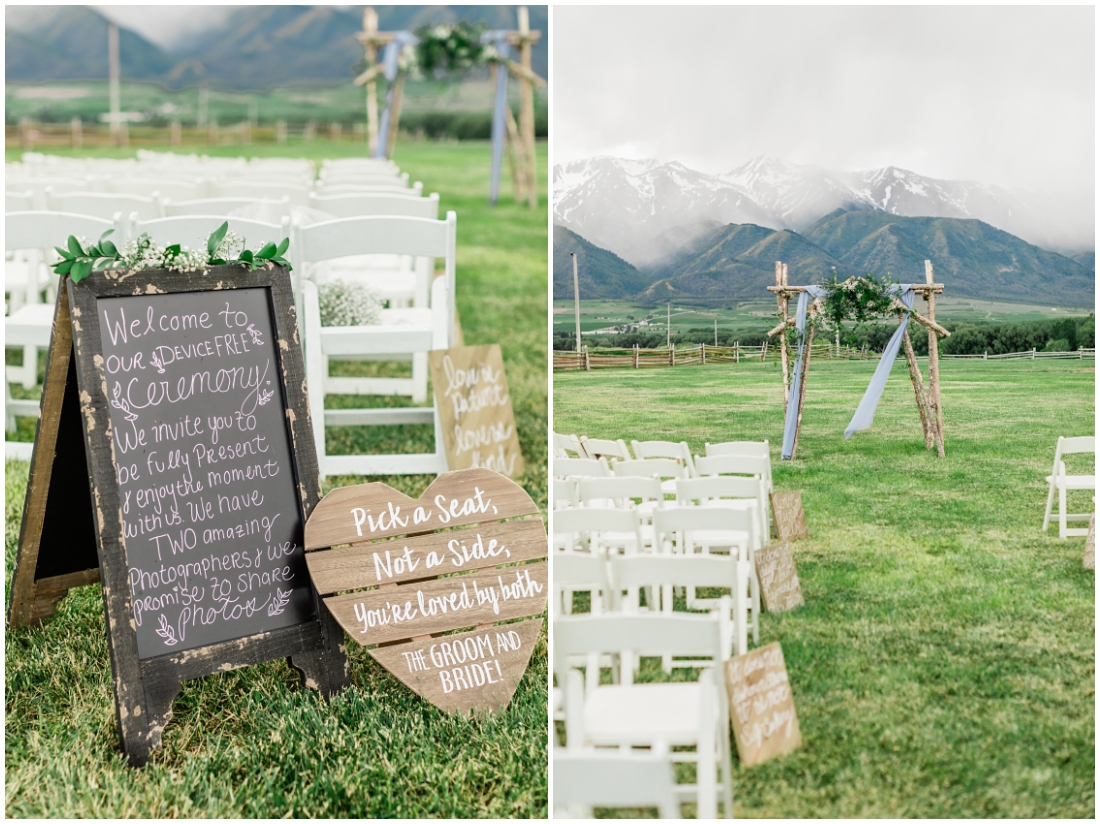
(389, 70)
(500, 108)
(865, 412)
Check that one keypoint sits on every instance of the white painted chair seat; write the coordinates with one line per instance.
(1061, 482)
(671, 711)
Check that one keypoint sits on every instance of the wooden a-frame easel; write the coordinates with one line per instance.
(928, 399)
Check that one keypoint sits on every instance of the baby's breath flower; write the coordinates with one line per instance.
(348, 304)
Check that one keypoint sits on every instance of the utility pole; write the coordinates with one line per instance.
(668, 328)
(113, 69)
(576, 300)
(716, 331)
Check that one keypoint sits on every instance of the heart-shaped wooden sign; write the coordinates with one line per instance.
(393, 599)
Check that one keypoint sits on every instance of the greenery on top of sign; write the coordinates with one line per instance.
(223, 248)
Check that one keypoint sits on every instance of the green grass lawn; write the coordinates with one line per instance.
(250, 743)
(943, 664)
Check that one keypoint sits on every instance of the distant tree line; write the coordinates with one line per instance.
(1061, 335)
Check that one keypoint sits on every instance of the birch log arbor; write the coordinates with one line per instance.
(520, 139)
(929, 405)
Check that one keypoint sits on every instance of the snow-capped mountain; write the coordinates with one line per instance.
(636, 208)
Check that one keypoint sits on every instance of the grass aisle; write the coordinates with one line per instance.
(944, 662)
(250, 743)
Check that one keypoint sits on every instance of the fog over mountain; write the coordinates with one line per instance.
(643, 210)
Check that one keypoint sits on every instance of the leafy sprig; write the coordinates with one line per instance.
(78, 262)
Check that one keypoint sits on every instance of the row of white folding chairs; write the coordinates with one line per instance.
(626, 715)
(586, 778)
(402, 333)
(680, 529)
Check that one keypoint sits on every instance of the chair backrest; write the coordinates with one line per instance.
(675, 525)
(691, 490)
(367, 177)
(581, 468)
(193, 230)
(596, 447)
(104, 204)
(221, 205)
(674, 570)
(643, 450)
(591, 778)
(581, 570)
(619, 490)
(758, 449)
(651, 468)
(1071, 446)
(565, 444)
(563, 492)
(298, 193)
(364, 204)
(176, 189)
(732, 465)
(598, 529)
(44, 230)
(323, 188)
(19, 201)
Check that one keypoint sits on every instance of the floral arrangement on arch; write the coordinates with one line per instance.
(863, 299)
(451, 48)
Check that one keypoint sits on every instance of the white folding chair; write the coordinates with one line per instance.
(662, 573)
(686, 530)
(1061, 482)
(597, 447)
(402, 334)
(19, 201)
(563, 492)
(588, 778)
(297, 192)
(627, 714)
(727, 490)
(644, 450)
(567, 446)
(193, 230)
(757, 449)
(31, 325)
(598, 530)
(754, 466)
(580, 572)
(104, 204)
(176, 189)
(323, 188)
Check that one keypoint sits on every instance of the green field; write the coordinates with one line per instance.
(250, 743)
(759, 316)
(943, 664)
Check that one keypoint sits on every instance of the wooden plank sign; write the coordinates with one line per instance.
(475, 409)
(1090, 544)
(790, 519)
(778, 578)
(400, 605)
(176, 453)
(761, 706)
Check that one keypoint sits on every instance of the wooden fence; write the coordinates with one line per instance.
(638, 358)
(76, 134)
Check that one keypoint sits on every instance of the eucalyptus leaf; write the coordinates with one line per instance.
(267, 251)
(74, 246)
(65, 253)
(283, 246)
(246, 256)
(172, 250)
(81, 269)
(108, 247)
(64, 266)
(216, 238)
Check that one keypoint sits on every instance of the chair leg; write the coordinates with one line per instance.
(1050, 503)
(420, 377)
(1061, 511)
(30, 367)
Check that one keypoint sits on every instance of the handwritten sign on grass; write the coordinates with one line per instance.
(475, 409)
(761, 706)
(399, 596)
(779, 585)
(790, 519)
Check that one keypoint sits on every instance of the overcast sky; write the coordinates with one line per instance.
(1002, 95)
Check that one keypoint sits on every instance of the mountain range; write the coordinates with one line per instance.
(645, 210)
(255, 48)
(737, 261)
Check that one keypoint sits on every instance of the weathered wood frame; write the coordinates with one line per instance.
(144, 689)
(928, 398)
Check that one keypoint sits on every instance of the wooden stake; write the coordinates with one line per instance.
(918, 389)
(515, 159)
(395, 112)
(370, 27)
(527, 106)
(934, 362)
(802, 387)
(784, 357)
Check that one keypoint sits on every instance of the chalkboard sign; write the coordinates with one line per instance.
(389, 594)
(475, 409)
(200, 457)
